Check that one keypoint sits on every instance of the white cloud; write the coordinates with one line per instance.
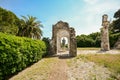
(87, 19)
(91, 1)
(102, 7)
(92, 15)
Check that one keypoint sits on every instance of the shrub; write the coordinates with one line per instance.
(48, 47)
(113, 39)
(16, 53)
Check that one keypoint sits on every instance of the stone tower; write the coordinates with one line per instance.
(105, 33)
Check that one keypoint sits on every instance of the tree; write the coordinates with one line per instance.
(96, 37)
(91, 40)
(8, 22)
(117, 14)
(47, 42)
(29, 27)
(115, 25)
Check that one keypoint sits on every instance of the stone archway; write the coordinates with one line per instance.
(62, 34)
(62, 29)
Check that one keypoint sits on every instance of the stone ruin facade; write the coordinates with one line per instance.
(62, 29)
(105, 33)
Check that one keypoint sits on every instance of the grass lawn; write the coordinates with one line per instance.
(88, 48)
(110, 61)
(38, 71)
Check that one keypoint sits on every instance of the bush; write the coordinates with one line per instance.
(16, 53)
(48, 47)
(113, 39)
(91, 40)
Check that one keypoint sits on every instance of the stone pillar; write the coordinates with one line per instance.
(54, 40)
(105, 34)
(73, 44)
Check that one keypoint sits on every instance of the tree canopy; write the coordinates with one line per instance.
(29, 27)
(115, 25)
(8, 22)
(91, 40)
(25, 27)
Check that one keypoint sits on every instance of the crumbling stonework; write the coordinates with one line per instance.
(117, 44)
(105, 34)
(62, 29)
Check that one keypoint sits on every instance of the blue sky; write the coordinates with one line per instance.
(84, 15)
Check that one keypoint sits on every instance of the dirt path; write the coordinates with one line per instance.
(59, 71)
(62, 68)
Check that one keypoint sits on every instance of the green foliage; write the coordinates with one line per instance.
(29, 27)
(91, 40)
(16, 53)
(94, 40)
(117, 14)
(47, 42)
(8, 22)
(113, 38)
(115, 25)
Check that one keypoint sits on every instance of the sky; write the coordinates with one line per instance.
(83, 15)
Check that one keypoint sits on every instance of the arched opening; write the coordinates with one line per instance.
(61, 30)
(64, 45)
(63, 42)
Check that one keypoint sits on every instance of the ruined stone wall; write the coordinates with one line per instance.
(73, 44)
(62, 29)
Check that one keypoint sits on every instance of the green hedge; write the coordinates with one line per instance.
(17, 53)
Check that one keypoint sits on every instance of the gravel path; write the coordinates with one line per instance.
(87, 71)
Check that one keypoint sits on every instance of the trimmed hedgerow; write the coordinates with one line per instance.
(17, 53)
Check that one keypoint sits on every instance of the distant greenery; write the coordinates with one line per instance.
(110, 61)
(25, 27)
(17, 53)
(8, 22)
(94, 39)
(91, 40)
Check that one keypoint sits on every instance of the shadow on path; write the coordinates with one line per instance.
(61, 55)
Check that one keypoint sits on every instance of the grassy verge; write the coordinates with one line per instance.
(88, 48)
(110, 61)
(38, 71)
